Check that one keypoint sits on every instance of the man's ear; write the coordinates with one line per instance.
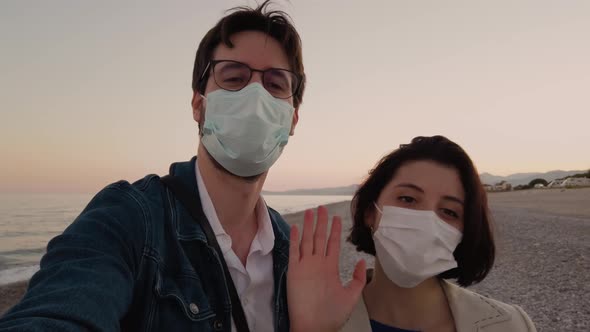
(197, 105)
(295, 120)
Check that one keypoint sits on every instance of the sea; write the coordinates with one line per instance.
(29, 221)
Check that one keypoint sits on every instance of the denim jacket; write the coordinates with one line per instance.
(134, 260)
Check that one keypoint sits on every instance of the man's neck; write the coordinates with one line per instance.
(235, 201)
(420, 308)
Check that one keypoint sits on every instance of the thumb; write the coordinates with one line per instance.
(359, 279)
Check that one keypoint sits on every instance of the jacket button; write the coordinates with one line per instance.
(217, 325)
(193, 308)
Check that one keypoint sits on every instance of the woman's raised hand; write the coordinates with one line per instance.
(318, 301)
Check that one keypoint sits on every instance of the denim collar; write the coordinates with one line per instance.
(187, 229)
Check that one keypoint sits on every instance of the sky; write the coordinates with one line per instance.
(92, 92)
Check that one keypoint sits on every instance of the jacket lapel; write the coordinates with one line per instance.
(472, 311)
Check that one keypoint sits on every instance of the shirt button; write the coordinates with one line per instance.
(217, 325)
(194, 309)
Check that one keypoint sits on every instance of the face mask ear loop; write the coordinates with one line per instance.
(377, 207)
(380, 211)
(201, 129)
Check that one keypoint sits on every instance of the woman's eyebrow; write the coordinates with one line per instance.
(409, 185)
(454, 199)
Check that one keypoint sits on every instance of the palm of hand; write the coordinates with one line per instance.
(318, 301)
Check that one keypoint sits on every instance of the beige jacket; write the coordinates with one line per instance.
(471, 312)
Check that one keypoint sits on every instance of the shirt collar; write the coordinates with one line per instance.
(264, 238)
(265, 235)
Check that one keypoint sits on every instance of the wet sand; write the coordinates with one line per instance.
(10, 294)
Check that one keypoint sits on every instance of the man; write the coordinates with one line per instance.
(135, 259)
(140, 258)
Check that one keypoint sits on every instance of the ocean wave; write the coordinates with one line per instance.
(16, 274)
(32, 251)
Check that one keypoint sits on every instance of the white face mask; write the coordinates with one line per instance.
(414, 245)
(245, 131)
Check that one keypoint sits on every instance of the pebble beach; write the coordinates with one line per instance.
(543, 254)
(542, 262)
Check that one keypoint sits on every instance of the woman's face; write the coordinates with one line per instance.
(426, 185)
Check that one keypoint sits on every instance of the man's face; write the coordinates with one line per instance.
(257, 50)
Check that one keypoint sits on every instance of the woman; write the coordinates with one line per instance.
(423, 213)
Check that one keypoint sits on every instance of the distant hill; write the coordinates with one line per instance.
(486, 178)
(348, 190)
(525, 178)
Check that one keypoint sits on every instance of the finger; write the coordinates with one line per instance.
(333, 250)
(360, 272)
(321, 229)
(294, 246)
(359, 279)
(306, 247)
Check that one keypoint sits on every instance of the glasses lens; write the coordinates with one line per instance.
(231, 75)
(280, 83)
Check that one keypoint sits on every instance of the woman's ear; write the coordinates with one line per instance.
(372, 217)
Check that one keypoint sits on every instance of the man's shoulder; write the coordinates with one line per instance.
(140, 192)
(127, 203)
(147, 190)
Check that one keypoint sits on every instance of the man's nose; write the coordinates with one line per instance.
(256, 77)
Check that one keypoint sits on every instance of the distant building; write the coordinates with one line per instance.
(556, 183)
(570, 182)
(500, 186)
(576, 182)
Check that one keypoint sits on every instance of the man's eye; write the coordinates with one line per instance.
(234, 79)
(276, 85)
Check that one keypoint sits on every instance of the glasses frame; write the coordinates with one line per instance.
(211, 67)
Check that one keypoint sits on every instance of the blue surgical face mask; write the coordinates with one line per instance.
(245, 131)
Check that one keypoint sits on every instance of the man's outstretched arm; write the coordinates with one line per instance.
(87, 275)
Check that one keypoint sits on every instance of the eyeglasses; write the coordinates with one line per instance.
(234, 76)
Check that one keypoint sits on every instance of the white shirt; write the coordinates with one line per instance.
(254, 282)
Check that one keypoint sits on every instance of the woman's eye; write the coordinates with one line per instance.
(406, 199)
(450, 213)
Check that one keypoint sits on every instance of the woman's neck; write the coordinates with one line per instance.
(422, 308)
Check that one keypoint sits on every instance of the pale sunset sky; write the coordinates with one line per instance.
(96, 91)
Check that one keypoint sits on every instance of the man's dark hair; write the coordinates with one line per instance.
(476, 251)
(274, 23)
